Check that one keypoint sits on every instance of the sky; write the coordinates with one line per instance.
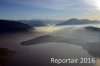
(50, 9)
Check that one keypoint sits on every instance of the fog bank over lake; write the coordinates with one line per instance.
(36, 48)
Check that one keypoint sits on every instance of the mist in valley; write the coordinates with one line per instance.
(45, 42)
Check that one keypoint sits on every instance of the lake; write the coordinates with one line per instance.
(37, 47)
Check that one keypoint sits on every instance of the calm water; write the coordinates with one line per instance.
(52, 42)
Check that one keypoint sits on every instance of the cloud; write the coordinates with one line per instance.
(93, 3)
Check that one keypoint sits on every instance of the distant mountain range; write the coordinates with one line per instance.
(12, 26)
(40, 22)
(44, 22)
(23, 25)
(77, 21)
(34, 23)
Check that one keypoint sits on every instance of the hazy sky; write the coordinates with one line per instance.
(50, 9)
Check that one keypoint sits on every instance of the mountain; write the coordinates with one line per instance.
(40, 22)
(12, 26)
(47, 21)
(34, 23)
(77, 21)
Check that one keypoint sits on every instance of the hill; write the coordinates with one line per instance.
(91, 28)
(12, 26)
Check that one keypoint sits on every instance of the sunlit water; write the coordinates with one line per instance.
(40, 54)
